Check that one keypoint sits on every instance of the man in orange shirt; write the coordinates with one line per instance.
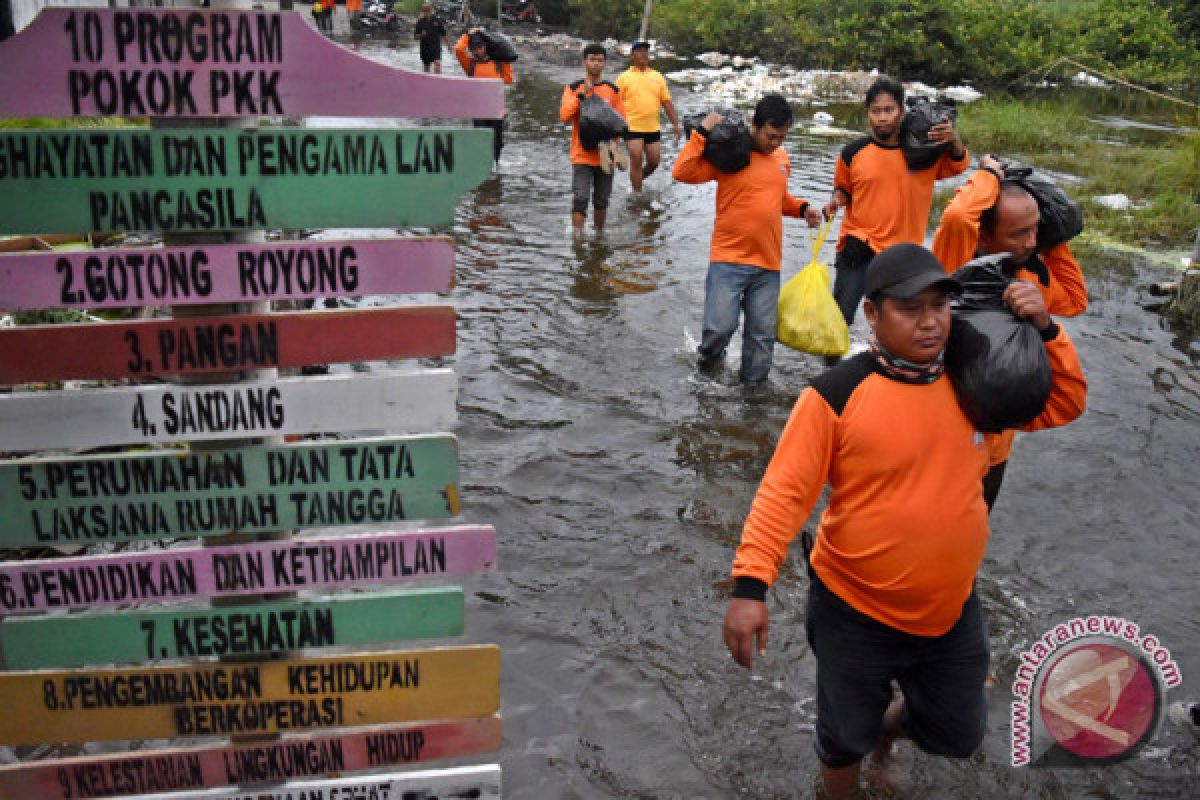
(886, 203)
(471, 52)
(747, 241)
(587, 176)
(891, 593)
(990, 215)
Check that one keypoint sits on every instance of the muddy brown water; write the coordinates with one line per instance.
(618, 481)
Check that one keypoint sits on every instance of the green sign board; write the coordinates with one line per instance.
(79, 640)
(165, 495)
(219, 180)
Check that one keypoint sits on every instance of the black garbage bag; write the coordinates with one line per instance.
(920, 115)
(729, 143)
(499, 46)
(1062, 217)
(598, 122)
(996, 361)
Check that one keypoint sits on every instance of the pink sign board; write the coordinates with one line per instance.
(191, 573)
(232, 273)
(302, 756)
(74, 62)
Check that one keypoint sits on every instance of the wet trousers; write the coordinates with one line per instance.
(730, 289)
(497, 126)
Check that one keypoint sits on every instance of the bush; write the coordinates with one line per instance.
(989, 42)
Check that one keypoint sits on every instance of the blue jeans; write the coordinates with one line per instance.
(753, 291)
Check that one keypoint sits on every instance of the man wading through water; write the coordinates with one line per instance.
(990, 215)
(891, 575)
(886, 202)
(588, 177)
(644, 92)
(747, 240)
(472, 54)
(431, 32)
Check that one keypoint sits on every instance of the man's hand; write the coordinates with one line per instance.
(813, 217)
(712, 119)
(944, 132)
(745, 629)
(1026, 302)
(990, 162)
(678, 133)
(837, 201)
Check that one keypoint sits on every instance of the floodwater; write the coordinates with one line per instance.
(618, 481)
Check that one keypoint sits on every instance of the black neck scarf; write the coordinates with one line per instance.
(905, 371)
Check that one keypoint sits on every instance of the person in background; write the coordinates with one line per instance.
(747, 241)
(587, 175)
(989, 215)
(322, 11)
(471, 52)
(354, 12)
(644, 92)
(886, 203)
(891, 575)
(430, 31)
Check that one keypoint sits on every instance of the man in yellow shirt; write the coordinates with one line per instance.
(644, 93)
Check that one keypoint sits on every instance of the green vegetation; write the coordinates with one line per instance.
(1159, 174)
(989, 42)
(1184, 308)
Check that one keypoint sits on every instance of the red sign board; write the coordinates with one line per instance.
(223, 343)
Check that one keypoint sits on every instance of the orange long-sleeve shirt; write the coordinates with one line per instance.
(889, 203)
(956, 242)
(906, 526)
(481, 69)
(568, 111)
(751, 204)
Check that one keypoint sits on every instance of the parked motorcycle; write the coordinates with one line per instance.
(379, 15)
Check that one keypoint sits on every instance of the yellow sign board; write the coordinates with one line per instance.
(248, 698)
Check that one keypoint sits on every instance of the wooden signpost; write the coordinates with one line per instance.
(205, 182)
(122, 637)
(477, 783)
(196, 345)
(298, 756)
(399, 402)
(195, 180)
(166, 495)
(249, 698)
(198, 573)
(194, 63)
(230, 273)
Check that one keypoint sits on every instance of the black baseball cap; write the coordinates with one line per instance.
(906, 270)
(639, 43)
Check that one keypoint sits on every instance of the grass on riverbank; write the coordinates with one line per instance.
(1160, 174)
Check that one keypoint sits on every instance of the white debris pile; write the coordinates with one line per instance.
(962, 94)
(733, 80)
(1088, 79)
(1117, 202)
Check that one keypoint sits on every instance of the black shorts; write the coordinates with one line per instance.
(431, 52)
(587, 180)
(941, 678)
(649, 138)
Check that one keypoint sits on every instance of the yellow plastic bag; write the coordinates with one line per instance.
(809, 317)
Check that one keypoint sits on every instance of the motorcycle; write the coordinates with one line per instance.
(379, 15)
